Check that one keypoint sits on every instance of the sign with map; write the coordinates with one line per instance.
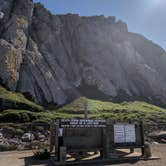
(124, 133)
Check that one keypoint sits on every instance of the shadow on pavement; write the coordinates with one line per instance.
(30, 161)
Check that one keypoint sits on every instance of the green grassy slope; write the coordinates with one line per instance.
(13, 99)
(18, 109)
(116, 111)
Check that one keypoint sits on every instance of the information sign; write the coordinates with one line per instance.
(82, 123)
(124, 133)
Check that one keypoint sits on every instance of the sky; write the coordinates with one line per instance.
(147, 17)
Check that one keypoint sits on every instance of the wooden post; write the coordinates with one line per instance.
(111, 130)
(52, 135)
(147, 151)
(131, 150)
(142, 138)
(59, 140)
(62, 155)
(56, 137)
(106, 142)
(85, 110)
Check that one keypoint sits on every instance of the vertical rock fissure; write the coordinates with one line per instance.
(26, 48)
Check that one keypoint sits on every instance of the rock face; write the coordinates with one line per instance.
(55, 58)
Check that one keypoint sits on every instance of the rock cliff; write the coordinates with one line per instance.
(56, 58)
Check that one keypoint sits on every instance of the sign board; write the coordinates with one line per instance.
(124, 133)
(83, 138)
(82, 123)
(119, 134)
(130, 133)
(92, 135)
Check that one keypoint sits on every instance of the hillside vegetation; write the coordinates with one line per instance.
(116, 111)
(15, 108)
(10, 99)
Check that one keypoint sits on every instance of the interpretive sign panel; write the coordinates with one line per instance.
(82, 123)
(119, 134)
(130, 135)
(124, 133)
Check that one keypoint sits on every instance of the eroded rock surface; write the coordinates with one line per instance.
(55, 58)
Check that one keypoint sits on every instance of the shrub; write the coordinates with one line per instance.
(10, 117)
(42, 155)
(38, 128)
(24, 117)
(7, 147)
(9, 132)
(19, 132)
(17, 116)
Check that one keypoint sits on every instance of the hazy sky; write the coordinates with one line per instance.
(147, 17)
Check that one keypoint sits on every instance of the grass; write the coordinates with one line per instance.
(17, 98)
(25, 116)
(116, 111)
(122, 112)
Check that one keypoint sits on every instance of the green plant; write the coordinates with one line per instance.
(124, 111)
(7, 147)
(41, 155)
(19, 132)
(14, 99)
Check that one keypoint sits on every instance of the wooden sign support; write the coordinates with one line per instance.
(56, 137)
(52, 136)
(106, 143)
(62, 155)
(142, 138)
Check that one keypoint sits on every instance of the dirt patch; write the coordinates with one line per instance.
(20, 158)
(158, 151)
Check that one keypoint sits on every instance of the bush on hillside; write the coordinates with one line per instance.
(15, 116)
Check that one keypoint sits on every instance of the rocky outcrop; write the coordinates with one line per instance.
(14, 34)
(55, 58)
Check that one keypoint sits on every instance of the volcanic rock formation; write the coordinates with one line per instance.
(56, 58)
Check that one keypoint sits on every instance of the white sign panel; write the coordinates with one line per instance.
(119, 135)
(130, 133)
(124, 133)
